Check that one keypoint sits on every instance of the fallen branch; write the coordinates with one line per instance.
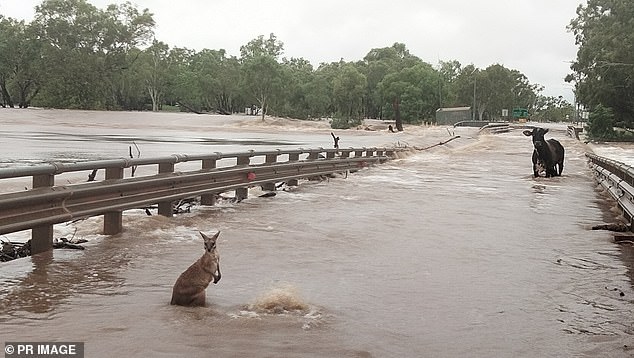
(335, 139)
(92, 175)
(188, 107)
(64, 243)
(138, 155)
(437, 144)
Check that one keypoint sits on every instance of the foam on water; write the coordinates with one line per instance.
(281, 299)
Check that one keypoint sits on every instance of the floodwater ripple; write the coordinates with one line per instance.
(456, 251)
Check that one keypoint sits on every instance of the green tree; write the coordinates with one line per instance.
(128, 86)
(227, 92)
(318, 96)
(493, 89)
(125, 29)
(156, 64)
(262, 74)
(377, 64)
(553, 109)
(85, 48)
(260, 46)
(601, 123)
(205, 81)
(604, 67)
(501, 88)
(348, 89)
(299, 73)
(20, 63)
(262, 80)
(74, 55)
(448, 72)
(9, 40)
(412, 91)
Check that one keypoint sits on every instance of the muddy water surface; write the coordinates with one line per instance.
(454, 251)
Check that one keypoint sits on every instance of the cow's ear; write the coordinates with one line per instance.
(528, 133)
(545, 130)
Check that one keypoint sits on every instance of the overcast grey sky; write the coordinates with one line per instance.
(527, 35)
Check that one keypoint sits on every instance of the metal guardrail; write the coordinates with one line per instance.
(47, 204)
(476, 124)
(618, 179)
(573, 132)
(495, 128)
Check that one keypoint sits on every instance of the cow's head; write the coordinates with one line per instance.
(538, 136)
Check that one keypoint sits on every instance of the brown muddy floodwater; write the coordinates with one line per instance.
(452, 252)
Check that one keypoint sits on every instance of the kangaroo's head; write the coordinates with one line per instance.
(210, 242)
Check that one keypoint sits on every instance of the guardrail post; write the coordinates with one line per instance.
(113, 221)
(379, 154)
(165, 207)
(358, 153)
(293, 157)
(313, 155)
(243, 193)
(330, 155)
(42, 236)
(208, 199)
(270, 159)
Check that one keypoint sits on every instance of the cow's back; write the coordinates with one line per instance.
(556, 150)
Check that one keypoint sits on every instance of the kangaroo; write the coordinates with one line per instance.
(189, 289)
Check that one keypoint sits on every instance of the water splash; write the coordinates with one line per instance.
(279, 300)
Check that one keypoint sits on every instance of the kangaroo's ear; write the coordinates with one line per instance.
(209, 238)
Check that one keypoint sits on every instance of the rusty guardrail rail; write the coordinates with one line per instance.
(618, 179)
(47, 204)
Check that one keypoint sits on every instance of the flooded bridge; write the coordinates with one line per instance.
(452, 251)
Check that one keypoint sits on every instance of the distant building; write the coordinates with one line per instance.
(451, 116)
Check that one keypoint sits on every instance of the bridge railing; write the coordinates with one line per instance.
(618, 179)
(46, 203)
(495, 128)
(573, 132)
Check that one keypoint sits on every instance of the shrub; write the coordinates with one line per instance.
(344, 123)
(601, 123)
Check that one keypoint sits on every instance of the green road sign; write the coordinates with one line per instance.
(520, 113)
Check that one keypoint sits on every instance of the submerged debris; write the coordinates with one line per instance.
(184, 205)
(14, 250)
(617, 227)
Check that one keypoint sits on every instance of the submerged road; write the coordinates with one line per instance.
(453, 251)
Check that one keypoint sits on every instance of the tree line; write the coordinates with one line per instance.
(603, 72)
(74, 55)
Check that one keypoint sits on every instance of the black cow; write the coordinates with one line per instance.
(546, 153)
